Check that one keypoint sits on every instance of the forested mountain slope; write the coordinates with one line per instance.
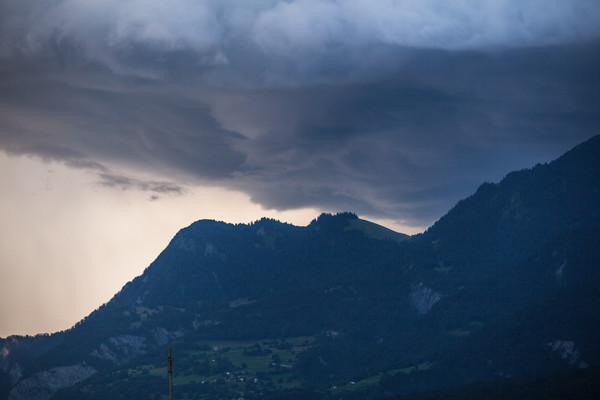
(505, 284)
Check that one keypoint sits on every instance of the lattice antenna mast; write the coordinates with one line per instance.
(170, 370)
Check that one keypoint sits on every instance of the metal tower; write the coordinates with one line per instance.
(170, 370)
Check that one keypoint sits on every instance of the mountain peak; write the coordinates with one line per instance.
(588, 151)
(326, 219)
(525, 209)
(348, 221)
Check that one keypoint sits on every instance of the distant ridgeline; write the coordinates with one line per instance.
(505, 285)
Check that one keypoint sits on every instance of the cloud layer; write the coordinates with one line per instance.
(395, 109)
(286, 41)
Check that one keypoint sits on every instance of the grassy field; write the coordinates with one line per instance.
(233, 366)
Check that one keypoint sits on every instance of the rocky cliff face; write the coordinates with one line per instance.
(120, 349)
(422, 298)
(43, 385)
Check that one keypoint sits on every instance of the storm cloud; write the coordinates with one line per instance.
(394, 109)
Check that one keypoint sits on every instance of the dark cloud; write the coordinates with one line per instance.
(394, 110)
(128, 183)
(87, 164)
(140, 126)
(415, 143)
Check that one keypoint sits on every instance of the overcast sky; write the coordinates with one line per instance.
(122, 121)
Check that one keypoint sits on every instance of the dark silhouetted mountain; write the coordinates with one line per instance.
(504, 285)
(502, 223)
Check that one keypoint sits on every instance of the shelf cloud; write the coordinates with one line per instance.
(395, 109)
